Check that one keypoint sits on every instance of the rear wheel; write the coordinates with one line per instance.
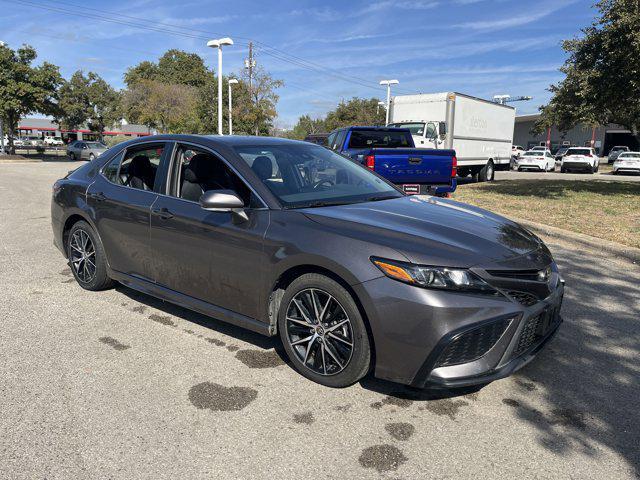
(323, 332)
(487, 172)
(86, 258)
(92, 157)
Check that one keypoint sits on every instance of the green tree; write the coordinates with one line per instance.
(602, 72)
(357, 111)
(257, 107)
(88, 99)
(25, 89)
(169, 108)
(174, 67)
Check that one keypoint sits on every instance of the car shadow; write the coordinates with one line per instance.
(233, 331)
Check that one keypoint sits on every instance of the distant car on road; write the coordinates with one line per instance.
(81, 150)
(580, 158)
(627, 162)
(53, 141)
(615, 151)
(541, 160)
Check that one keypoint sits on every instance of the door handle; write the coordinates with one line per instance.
(98, 197)
(163, 213)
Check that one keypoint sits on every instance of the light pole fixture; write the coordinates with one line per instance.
(388, 83)
(219, 43)
(232, 81)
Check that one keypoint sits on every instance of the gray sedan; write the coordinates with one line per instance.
(81, 150)
(288, 238)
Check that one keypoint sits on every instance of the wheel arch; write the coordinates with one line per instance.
(70, 221)
(289, 275)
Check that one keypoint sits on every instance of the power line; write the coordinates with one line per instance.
(167, 28)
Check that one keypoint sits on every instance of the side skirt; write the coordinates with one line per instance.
(191, 303)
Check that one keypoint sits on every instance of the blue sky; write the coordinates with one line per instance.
(479, 47)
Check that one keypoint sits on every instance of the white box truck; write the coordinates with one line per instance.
(480, 131)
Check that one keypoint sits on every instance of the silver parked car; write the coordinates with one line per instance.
(81, 150)
(615, 151)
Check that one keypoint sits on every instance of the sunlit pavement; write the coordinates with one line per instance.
(119, 385)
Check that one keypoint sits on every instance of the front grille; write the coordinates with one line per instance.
(531, 275)
(535, 329)
(525, 298)
(472, 344)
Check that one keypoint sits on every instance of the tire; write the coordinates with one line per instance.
(99, 280)
(487, 172)
(354, 364)
(563, 170)
(72, 156)
(597, 168)
(92, 157)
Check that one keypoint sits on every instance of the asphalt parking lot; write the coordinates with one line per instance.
(117, 384)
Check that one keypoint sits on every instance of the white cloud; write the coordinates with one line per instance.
(544, 10)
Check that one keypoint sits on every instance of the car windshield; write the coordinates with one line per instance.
(307, 175)
(579, 151)
(415, 128)
(620, 149)
(94, 145)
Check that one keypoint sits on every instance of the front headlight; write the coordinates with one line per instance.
(442, 278)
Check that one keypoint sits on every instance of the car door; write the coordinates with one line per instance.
(213, 256)
(121, 207)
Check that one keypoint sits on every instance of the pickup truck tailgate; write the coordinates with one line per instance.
(400, 165)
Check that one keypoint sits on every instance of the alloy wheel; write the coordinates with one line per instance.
(319, 331)
(82, 256)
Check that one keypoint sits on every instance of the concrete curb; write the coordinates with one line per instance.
(17, 159)
(630, 253)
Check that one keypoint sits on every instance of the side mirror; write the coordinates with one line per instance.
(442, 129)
(220, 200)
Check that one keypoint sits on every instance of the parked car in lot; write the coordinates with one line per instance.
(627, 162)
(81, 150)
(317, 138)
(516, 151)
(289, 238)
(540, 160)
(538, 148)
(390, 152)
(562, 151)
(53, 141)
(580, 159)
(615, 151)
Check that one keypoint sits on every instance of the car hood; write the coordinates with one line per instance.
(432, 231)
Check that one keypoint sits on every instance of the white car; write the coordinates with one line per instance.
(627, 162)
(53, 142)
(539, 148)
(516, 151)
(541, 160)
(580, 158)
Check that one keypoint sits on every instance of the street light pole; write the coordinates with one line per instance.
(388, 83)
(218, 44)
(232, 81)
(2, 44)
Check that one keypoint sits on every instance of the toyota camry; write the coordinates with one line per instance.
(291, 239)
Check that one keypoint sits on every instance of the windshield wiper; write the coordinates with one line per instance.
(321, 203)
(383, 197)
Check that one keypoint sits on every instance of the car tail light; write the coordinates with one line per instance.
(454, 167)
(370, 162)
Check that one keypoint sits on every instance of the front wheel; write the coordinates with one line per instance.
(86, 258)
(323, 332)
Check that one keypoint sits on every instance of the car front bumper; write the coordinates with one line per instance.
(415, 330)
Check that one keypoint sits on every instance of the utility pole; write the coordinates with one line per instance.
(249, 64)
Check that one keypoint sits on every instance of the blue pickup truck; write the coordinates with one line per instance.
(391, 153)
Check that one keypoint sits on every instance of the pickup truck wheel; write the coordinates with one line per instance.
(487, 172)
